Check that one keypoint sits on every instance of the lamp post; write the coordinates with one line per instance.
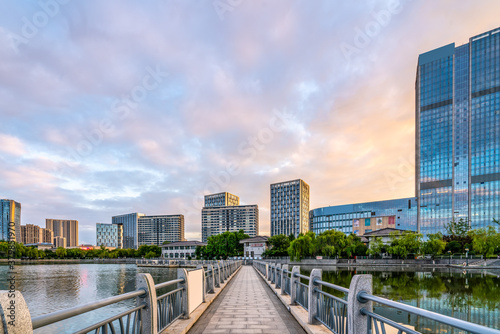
(449, 259)
(467, 257)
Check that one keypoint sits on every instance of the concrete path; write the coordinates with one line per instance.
(247, 305)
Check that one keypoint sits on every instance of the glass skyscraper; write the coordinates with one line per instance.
(10, 211)
(130, 223)
(458, 133)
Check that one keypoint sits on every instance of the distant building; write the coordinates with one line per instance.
(221, 199)
(181, 249)
(362, 218)
(68, 229)
(34, 234)
(60, 242)
(229, 218)
(384, 234)
(254, 247)
(130, 223)
(155, 230)
(10, 211)
(41, 245)
(289, 207)
(458, 133)
(109, 235)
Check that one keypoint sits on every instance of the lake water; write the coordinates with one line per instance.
(51, 287)
(472, 296)
(47, 288)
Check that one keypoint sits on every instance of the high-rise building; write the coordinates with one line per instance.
(217, 220)
(10, 211)
(130, 223)
(32, 234)
(67, 229)
(155, 230)
(289, 207)
(46, 236)
(109, 235)
(366, 217)
(60, 242)
(458, 133)
(221, 199)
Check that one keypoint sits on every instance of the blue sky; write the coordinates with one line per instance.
(125, 106)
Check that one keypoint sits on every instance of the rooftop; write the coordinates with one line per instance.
(384, 232)
(185, 243)
(258, 238)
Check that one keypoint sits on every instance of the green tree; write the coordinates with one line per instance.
(165, 242)
(484, 241)
(225, 245)
(375, 246)
(458, 228)
(406, 243)
(60, 252)
(303, 246)
(278, 245)
(291, 237)
(434, 245)
(330, 243)
(150, 255)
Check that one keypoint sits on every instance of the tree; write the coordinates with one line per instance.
(485, 241)
(150, 255)
(303, 246)
(406, 243)
(330, 243)
(375, 246)
(165, 242)
(458, 228)
(434, 244)
(224, 245)
(278, 245)
(60, 252)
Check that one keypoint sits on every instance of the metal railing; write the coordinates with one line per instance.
(352, 310)
(151, 314)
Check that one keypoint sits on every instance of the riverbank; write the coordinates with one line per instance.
(97, 260)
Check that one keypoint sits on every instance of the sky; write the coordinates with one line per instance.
(112, 107)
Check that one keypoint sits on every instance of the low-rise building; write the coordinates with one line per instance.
(181, 249)
(40, 245)
(254, 247)
(384, 233)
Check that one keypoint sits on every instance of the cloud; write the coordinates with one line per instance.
(351, 136)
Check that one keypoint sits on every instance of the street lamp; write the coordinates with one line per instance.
(449, 260)
(467, 257)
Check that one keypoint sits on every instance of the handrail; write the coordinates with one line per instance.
(47, 319)
(169, 293)
(169, 283)
(106, 321)
(301, 276)
(457, 323)
(332, 286)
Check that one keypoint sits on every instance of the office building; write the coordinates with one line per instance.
(10, 211)
(222, 213)
(109, 235)
(458, 133)
(34, 234)
(289, 207)
(363, 218)
(67, 229)
(130, 223)
(221, 199)
(60, 242)
(155, 230)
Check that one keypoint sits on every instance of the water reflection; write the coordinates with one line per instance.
(48, 288)
(471, 296)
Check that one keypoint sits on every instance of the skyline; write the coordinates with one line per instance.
(214, 87)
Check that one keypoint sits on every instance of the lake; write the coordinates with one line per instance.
(472, 296)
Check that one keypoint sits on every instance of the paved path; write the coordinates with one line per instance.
(247, 305)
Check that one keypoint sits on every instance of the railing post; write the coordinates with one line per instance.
(15, 316)
(149, 314)
(356, 323)
(293, 286)
(182, 273)
(283, 278)
(267, 271)
(277, 281)
(211, 287)
(203, 282)
(217, 277)
(316, 274)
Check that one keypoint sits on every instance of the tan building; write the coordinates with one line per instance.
(361, 226)
(67, 229)
(34, 234)
(60, 242)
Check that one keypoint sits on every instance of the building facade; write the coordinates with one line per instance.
(180, 250)
(289, 207)
(67, 229)
(60, 242)
(221, 199)
(458, 133)
(155, 230)
(130, 223)
(217, 220)
(109, 235)
(34, 234)
(254, 247)
(10, 211)
(362, 218)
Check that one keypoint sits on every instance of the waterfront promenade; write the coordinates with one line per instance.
(247, 305)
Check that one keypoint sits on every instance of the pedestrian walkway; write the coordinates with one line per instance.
(247, 305)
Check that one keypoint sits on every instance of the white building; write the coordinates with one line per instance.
(254, 247)
(181, 249)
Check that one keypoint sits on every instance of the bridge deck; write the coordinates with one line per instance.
(247, 305)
